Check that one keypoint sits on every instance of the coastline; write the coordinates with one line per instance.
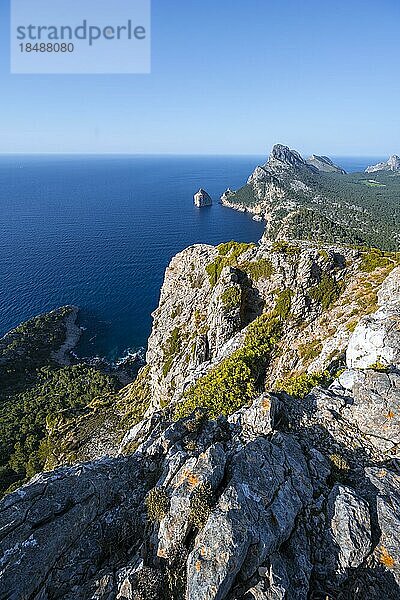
(73, 335)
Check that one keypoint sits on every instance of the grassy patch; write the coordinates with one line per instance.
(200, 505)
(283, 304)
(310, 351)
(326, 292)
(374, 259)
(228, 255)
(282, 247)
(231, 298)
(301, 384)
(157, 503)
(171, 350)
(258, 269)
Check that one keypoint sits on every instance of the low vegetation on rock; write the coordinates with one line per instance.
(235, 382)
(301, 384)
(34, 387)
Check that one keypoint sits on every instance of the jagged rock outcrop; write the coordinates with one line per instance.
(202, 199)
(392, 164)
(202, 318)
(376, 339)
(324, 164)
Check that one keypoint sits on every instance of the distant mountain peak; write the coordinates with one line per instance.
(392, 164)
(285, 155)
(324, 164)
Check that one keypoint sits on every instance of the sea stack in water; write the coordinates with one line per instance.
(202, 199)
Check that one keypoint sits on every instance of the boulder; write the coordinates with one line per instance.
(350, 527)
(376, 340)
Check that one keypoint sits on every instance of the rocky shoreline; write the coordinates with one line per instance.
(73, 334)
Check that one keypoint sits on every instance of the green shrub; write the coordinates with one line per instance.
(228, 255)
(339, 467)
(374, 259)
(258, 269)
(351, 325)
(233, 383)
(200, 505)
(380, 367)
(300, 385)
(171, 349)
(282, 247)
(326, 292)
(283, 304)
(231, 298)
(134, 400)
(310, 351)
(27, 408)
(323, 254)
(234, 249)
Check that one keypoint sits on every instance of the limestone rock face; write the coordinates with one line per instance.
(388, 506)
(202, 199)
(254, 516)
(282, 156)
(376, 340)
(192, 322)
(57, 529)
(389, 291)
(324, 164)
(392, 164)
(350, 526)
(208, 300)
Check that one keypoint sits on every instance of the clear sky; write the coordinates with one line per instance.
(228, 77)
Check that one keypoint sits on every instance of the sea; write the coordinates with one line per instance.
(99, 231)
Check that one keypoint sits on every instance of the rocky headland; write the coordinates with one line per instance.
(324, 164)
(316, 200)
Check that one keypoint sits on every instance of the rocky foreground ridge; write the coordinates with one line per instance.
(255, 457)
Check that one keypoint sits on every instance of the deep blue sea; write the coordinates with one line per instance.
(98, 232)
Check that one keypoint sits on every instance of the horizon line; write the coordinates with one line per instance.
(172, 154)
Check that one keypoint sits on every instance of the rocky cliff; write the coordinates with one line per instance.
(256, 455)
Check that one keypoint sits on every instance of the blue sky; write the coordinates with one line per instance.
(228, 77)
